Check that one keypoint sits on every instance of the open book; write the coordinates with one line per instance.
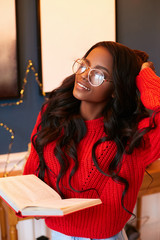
(29, 196)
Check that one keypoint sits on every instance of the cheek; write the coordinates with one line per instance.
(104, 93)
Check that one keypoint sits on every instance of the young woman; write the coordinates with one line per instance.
(95, 136)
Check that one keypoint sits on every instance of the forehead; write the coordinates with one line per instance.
(100, 56)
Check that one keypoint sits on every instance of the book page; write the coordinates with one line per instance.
(64, 203)
(25, 190)
(60, 207)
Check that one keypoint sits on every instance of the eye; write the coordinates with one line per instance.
(82, 67)
(79, 67)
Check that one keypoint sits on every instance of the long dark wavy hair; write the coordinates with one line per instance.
(121, 116)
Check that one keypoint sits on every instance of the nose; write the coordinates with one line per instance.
(85, 74)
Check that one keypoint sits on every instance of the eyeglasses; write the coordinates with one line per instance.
(95, 76)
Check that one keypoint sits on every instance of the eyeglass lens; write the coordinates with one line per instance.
(96, 76)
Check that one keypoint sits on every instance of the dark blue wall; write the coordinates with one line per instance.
(22, 118)
(137, 27)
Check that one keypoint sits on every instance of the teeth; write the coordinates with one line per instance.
(83, 86)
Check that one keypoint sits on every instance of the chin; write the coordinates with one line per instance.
(76, 95)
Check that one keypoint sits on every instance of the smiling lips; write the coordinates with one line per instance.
(82, 86)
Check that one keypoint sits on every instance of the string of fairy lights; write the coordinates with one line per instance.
(29, 68)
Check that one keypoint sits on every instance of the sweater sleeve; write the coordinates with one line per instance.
(32, 162)
(150, 151)
(148, 84)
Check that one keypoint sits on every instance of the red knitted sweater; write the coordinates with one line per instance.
(108, 219)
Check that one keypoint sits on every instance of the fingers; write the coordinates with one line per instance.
(148, 64)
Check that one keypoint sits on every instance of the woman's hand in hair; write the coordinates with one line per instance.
(148, 64)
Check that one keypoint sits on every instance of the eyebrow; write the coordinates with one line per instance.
(101, 67)
(98, 66)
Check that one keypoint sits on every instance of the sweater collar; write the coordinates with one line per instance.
(95, 123)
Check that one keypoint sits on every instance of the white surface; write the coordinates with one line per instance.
(150, 217)
(68, 29)
(32, 229)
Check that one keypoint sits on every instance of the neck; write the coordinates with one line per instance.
(90, 111)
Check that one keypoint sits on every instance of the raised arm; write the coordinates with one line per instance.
(148, 84)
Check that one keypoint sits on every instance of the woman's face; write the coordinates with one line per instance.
(99, 58)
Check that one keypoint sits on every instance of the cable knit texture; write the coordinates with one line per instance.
(149, 86)
(109, 218)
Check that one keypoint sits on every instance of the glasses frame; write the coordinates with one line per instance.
(91, 69)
